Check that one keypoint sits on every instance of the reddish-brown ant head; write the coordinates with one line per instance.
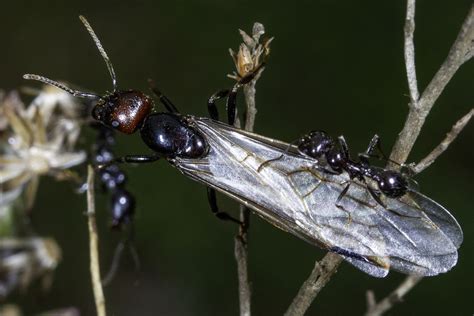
(123, 110)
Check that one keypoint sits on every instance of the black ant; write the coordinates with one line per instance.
(112, 178)
(169, 135)
(319, 144)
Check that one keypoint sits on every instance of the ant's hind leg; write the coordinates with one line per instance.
(211, 196)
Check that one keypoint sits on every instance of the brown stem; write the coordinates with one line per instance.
(317, 280)
(377, 309)
(94, 245)
(450, 137)
(461, 51)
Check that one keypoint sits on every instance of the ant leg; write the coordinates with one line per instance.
(339, 198)
(211, 103)
(211, 196)
(325, 170)
(232, 98)
(344, 147)
(118, 254)
(341, 195)
(232, 103)
(214, 114)
(374, 144)
(135, 159)
(375, 196)
(170, 107)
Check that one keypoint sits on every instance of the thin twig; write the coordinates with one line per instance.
(376, 309)
(450, 137)
(409, 50)
(461, 51)
(251, 54)
(240, 250)
(319, 277)
(94, 245)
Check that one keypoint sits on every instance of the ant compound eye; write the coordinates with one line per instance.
(392, 184)
(97, 112)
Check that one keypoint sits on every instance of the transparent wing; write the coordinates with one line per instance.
(413, 235)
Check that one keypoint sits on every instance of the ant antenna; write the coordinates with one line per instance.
(101, 50)
(61, 86)
(127, 242)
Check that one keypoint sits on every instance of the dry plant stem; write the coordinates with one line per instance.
(376, 309)
(450, 137)
(319, 277)
(94, 245)
(240, 249)
(409, 50)
(461, 51)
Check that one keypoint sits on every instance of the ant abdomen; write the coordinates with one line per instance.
(393, 184)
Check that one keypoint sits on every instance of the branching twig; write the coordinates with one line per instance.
(94, 245)
(376, 309)
(450, 137)
(461, 51)
(319, 277)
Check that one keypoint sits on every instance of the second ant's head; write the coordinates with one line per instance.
(123, 110)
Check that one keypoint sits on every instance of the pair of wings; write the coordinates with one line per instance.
(412, 234)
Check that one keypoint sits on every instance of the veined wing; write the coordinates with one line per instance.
(413, 235)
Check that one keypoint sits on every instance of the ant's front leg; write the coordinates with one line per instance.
(211, 103)
(374, 144)
(170, 107)
(231, 103)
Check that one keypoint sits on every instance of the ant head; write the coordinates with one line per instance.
(124, 111)
(315, 144)
(393, 184)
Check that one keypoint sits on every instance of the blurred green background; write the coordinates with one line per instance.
(335, 65)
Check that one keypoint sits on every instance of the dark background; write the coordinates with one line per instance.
(335, 65)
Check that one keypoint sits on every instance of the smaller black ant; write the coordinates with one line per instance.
(112, 178)
(317, 144)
